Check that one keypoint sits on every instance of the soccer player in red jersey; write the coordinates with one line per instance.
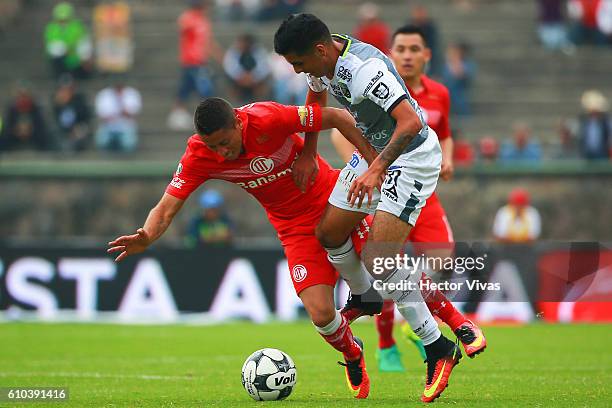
(410, 55)
(255, 147)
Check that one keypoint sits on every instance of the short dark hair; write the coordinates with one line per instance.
(410, 29)
(213, 114)
(299, 33)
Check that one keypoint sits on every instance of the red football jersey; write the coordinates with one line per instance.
(434, 99)
(270, 146)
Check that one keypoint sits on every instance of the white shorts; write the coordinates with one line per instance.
(411, 180)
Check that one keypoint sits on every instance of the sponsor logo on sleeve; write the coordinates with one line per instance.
(302, 113)
(177, 182)
(381, 91)
(310, 116)
(373, 81)
(345, 74)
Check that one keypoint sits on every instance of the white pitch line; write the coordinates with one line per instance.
(68, 374)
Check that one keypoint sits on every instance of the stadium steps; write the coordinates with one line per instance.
(516, 79)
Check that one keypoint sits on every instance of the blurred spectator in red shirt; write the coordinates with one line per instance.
(463, 152)
(488, 148)
(23, 126)
(371, 29)
(583, 14)
(197, 45)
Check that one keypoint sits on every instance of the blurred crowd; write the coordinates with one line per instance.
(565, 24)
(247, 71)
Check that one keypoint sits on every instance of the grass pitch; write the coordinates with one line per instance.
(199, 366)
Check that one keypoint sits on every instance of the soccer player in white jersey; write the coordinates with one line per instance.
(365, 82)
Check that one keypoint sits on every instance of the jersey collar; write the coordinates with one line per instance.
(347, 43)
(247, 144)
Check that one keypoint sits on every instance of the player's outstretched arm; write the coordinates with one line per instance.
(160, 217)
(306, 167)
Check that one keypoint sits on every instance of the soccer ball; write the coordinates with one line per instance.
(268, 375)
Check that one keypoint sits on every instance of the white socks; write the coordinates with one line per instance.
(411, 305)
(332, 326)
(347, 263)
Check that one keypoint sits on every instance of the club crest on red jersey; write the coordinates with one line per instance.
(261, 165)
(299, 273)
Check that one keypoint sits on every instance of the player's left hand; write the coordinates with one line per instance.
(305, 169)
(128, 245)
(447, 170)
(364, 185)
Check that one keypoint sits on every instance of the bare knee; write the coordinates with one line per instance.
(318, 301)
(330, 237)
(336, 226)
(322, 315)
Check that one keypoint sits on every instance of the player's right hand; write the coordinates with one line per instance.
(305, 169)
(129, 244)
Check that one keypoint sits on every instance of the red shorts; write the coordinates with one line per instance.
(432, 227)
(432, 224)
(308, 264)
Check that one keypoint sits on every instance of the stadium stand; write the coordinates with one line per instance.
(516, 77)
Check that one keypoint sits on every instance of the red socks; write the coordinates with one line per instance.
(342, 340)
(441, 307)
(384, 325)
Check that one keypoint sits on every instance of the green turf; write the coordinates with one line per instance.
(199, 366)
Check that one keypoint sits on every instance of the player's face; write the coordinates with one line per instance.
(409, 54)
(312, 63)
(226, 142)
